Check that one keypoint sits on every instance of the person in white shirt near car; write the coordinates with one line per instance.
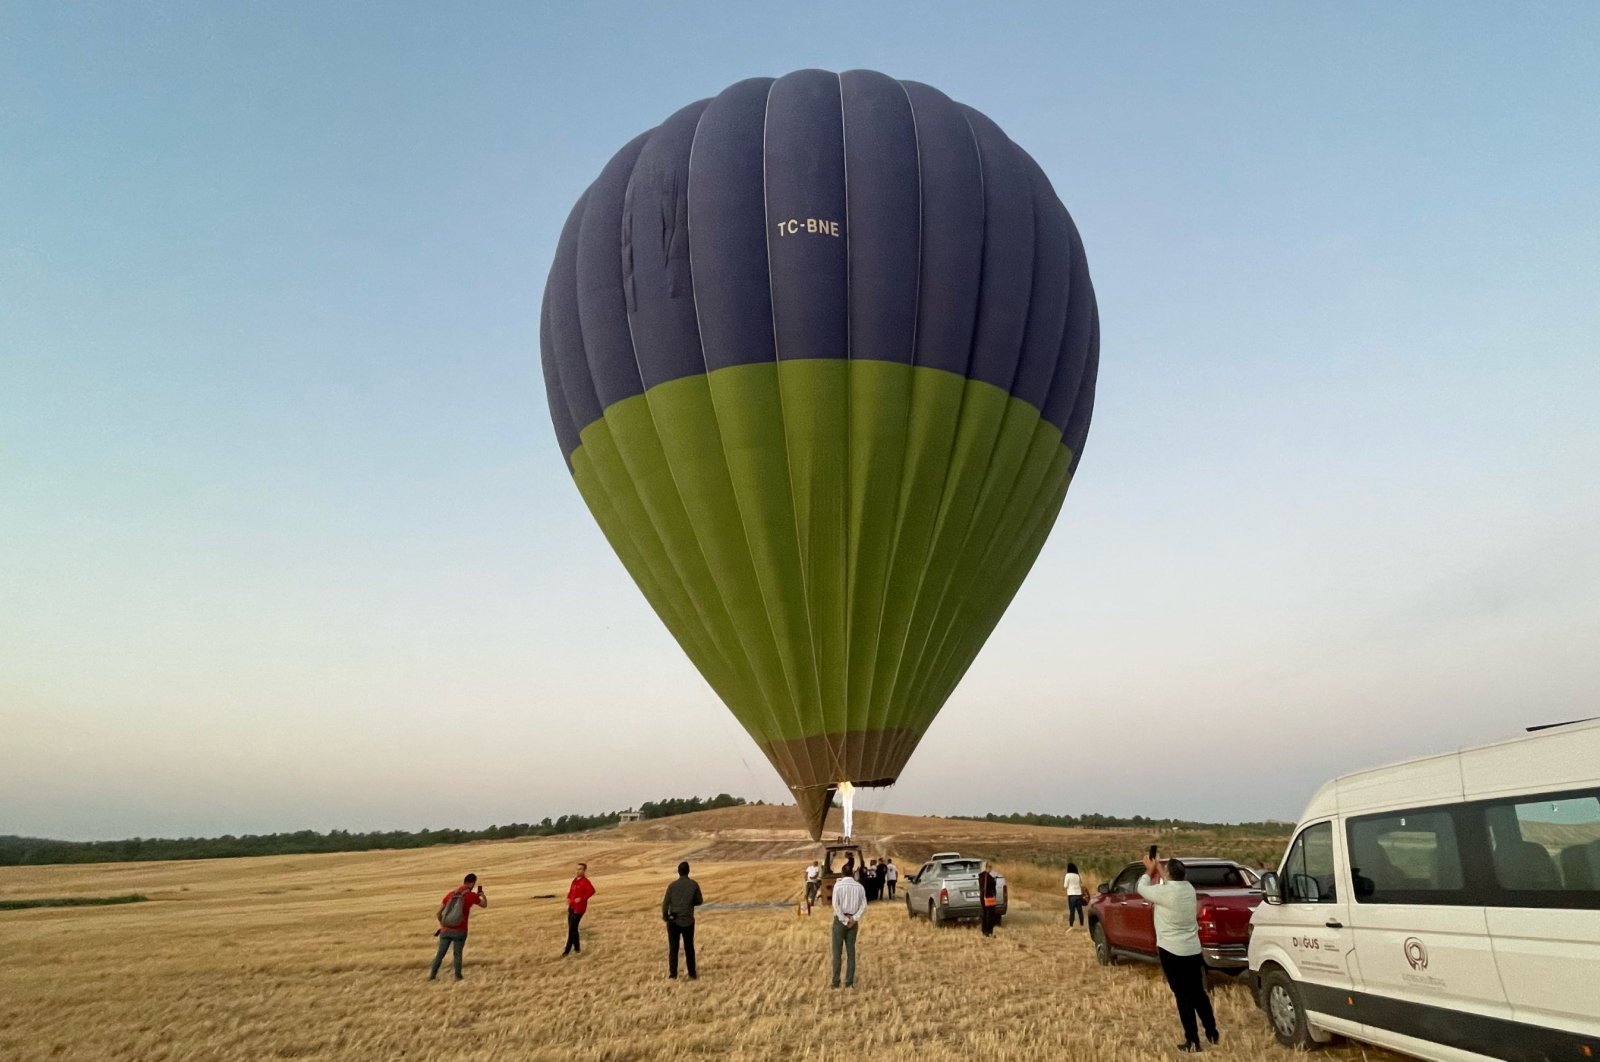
(849, 904)
(1073, 883)
(1178, 944)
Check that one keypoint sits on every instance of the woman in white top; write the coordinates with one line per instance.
(1074, 886)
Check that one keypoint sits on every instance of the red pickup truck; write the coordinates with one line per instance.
(1122, 924)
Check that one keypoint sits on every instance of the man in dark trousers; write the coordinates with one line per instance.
(578, 894)
(989, 893)
(453, 911)
(883, 880)
(1178, 945)
(677, 911)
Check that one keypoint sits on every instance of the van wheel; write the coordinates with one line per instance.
(1285, 1008)
(1102, 947)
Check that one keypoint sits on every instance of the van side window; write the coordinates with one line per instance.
(1547, 845)
(1405, 857)
(1308, 868)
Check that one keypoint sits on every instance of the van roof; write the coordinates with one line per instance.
(1560, 757)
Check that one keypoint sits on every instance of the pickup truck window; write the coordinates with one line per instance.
(1215, 876)
(959, 866)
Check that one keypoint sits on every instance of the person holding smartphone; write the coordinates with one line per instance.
(1178, 945)
(454, 910)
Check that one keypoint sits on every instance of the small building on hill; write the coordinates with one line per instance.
(625, 817)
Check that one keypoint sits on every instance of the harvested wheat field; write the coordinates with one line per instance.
(326, 957)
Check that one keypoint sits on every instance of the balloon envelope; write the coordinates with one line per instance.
(821, 356)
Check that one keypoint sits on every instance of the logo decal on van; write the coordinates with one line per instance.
(1416, 954)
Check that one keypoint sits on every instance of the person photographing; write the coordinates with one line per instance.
(1178, 944)
(454, 911)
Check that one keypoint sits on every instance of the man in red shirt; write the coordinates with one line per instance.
(577, 902)
(453, 921)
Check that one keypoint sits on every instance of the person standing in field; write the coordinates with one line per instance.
(989, 892)
(1073, 883)
(813, 885)
(891, 876)
(677, 911)
(453, 911)
(1178, 944)
(578, 894)
(881, 885)
(849, 904)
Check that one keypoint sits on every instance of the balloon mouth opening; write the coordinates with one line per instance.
(815, 801)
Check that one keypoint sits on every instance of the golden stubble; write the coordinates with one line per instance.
(326, 957)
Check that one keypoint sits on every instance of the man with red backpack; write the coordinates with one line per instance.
(453, 911)
(578, 894)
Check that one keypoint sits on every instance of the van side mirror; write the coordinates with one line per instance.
(1271, 891)
(1104, 888)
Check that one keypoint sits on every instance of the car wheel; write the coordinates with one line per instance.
(1102, 947)
(1285, 1008)
(933, 913)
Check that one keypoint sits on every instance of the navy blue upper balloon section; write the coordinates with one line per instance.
(821, 215)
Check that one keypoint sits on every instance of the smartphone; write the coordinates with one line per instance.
(1152, 851)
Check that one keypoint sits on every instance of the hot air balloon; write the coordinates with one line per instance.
(821, 355)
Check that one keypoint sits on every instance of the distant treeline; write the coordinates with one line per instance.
(1096, 821)
(34, 851)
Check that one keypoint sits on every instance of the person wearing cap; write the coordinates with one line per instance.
(677, 911)
(849, 904)
(1178, 945)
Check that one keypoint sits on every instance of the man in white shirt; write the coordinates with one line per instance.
(893, 876)
(1178, 944)
(813, 884)
(849, 904)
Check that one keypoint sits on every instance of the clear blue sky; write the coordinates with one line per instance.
(286, 541)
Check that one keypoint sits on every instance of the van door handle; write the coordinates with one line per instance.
(1333, 924)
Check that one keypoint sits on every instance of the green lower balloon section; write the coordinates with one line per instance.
(830, 540)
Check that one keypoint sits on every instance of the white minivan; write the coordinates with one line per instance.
(1447, 907)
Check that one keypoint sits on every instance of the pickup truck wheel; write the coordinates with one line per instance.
(1102, 947)
(1285, 1008)
(933, 913)
(911, 910)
